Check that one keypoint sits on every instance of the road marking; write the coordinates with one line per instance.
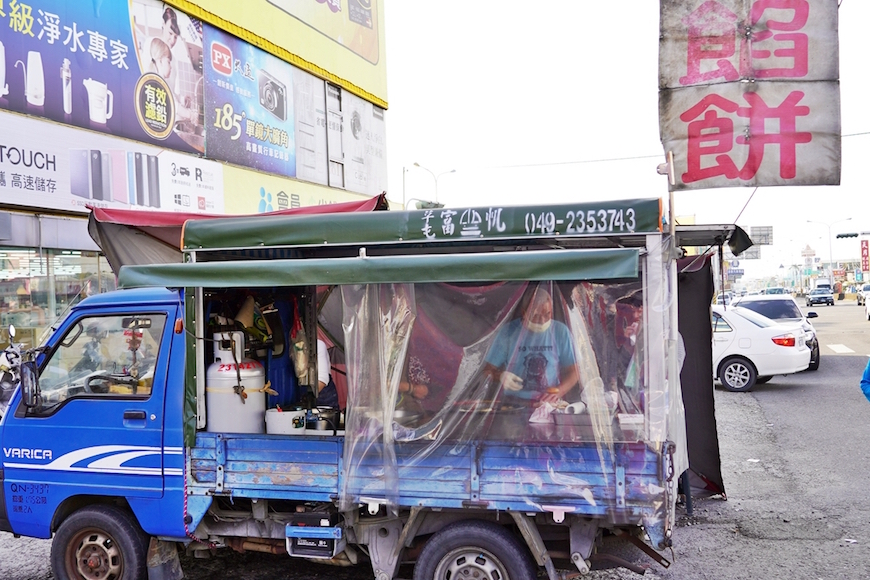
(840, 348)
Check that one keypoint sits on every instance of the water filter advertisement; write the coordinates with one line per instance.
(130, 69)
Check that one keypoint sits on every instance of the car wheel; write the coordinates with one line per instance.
(737, 375)
(762, 380)
(475, 549)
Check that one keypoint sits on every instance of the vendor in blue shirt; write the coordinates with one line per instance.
(533, 357)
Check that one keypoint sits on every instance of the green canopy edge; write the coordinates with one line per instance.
(481, 267)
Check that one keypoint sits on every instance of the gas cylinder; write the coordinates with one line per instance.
(234, 397)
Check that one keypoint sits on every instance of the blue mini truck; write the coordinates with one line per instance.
(498, 399)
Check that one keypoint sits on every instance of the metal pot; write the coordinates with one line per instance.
(323, 419)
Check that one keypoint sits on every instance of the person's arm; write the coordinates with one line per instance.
(570, 377)
(569, 374)
(322, 365)
(865, 381)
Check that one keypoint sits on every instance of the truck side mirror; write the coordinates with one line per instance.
(29, 384)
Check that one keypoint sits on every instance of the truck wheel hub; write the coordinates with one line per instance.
(98, 557)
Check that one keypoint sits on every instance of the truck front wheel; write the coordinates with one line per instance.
(474, 549)
(99, 542)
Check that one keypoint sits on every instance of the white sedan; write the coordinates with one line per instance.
(747, 345)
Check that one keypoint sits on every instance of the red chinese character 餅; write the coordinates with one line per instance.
(711, 134)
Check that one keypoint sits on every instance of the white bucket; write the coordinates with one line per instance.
(285, 422)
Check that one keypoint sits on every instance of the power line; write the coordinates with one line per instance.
(605, 160)
(580, 162)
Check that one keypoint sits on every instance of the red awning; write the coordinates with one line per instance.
(148, 237)
(140, 218)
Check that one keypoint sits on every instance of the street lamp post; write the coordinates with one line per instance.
(434, 176)
(404, 171)
(830, 247)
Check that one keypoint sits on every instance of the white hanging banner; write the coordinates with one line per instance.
(748, 92)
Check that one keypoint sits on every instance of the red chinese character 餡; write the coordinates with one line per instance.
(713, 32)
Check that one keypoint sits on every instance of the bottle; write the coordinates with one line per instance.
(66, 81)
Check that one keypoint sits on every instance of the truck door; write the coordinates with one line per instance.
(98, 429)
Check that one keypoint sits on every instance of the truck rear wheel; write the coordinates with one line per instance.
(99, 542)
(475, 549)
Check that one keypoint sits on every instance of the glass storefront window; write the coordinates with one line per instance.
(38, 286)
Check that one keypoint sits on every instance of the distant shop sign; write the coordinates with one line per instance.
(865, 256)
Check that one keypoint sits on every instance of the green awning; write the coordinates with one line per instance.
(625, 217)
(597, 264)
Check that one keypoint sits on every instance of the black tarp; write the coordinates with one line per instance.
(695, 287)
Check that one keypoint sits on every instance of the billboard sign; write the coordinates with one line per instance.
(249, 106)
(748, 92)
(364, 145)
(131, 69)
(50, 166)
(249, 192)
(761, 235)
(339, 40)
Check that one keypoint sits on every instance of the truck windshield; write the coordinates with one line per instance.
(106, 355)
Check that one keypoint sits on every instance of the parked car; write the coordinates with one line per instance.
(863, 290)
(783, 308)
(820, 296)
(749, 348)
(724, 298)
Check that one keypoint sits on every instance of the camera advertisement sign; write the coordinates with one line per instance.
(50, 166)
(130, 69)
(248, 105)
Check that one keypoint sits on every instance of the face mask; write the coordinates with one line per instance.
(538, 327)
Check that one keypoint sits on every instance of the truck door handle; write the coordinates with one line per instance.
(134, 415)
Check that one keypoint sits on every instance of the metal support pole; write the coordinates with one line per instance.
(687, 491)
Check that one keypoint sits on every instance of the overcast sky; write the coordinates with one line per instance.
(554, 102)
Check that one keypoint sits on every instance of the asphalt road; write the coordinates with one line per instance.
(795, 454)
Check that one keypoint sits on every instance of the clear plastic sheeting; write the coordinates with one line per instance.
(513, 395)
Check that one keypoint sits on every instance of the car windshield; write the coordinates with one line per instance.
(819, 291)
(774, 309)
(775, 291)
(753, 317)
